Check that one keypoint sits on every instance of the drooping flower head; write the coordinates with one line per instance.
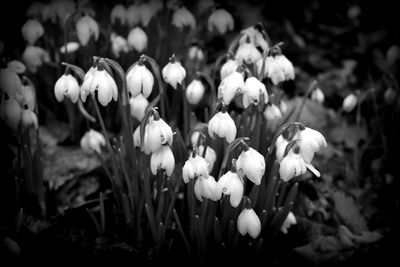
(258, 37)
(137, 39)
(247, 52)
(289, 221)
(229, 66)
(220, 21)
(34, 57)
(195, 91)
(87, 27)
(248, 222)
(163, 159)
(67, 86)
(173, 73)
(349, 103)
(140, 80)
(118, 13)
(138, 104)
(118, 44)
(32, 30)
(254, 91)
(251, 164)
(207, 188)
(182, 17)
(222, 125)
(157, 133)
(92, 141)
(231, 85)
(194, 167)
(232, 185)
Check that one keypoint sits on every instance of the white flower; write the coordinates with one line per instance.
(278, 68)
(86, 27)
(70, 47)
(87, 81)
(138, 104)
(99, 79)
(229, 66)
(294, 165)
(195, 92)
(133, 15)
(318, 96)
(207, 188)
(311, 141)
(11, 112)
(118, 13)
(280, 144)
(222, 125)
(67, 86)
(256, 36)
(210, 156)
(389, 95)
(92, 141)
(230, 86)
(28, 119)
(157, 133)
(140, 80)
(231, 184)
(253, 89)
(147, 11)
(173, 73)
(118, 44)
(182, 18)
(195, 166)
(251, 164)
(137, 39)
(32, 30)
(221, 21)
(163, 159)
(136, 137)
(247, 53)
(10, 82)
(249, 223)
(34, 57)
(349, 103)
(272, 112)
(16, 66)
(289, 221)
(195, 53)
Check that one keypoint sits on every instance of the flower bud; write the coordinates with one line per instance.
(220, 21)
(195, 92)
(182, 18)
(67, 86)
(195, 166)
(138, 104)
(173, 73)
(70, 47)
(389, 95)
(163, 159)
(251, 164)
(137, 39)
(195, 53)
(289, 221)
(349, 103)
(32, 30)
(249, 223)
(86, 27)
(222, 125)
(318, 96)
(253, 89)
(136, 137)
(28, 119)
(140, 80)
(92, 141)
(272, 112)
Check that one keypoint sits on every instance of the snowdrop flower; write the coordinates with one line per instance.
(182, 18)
(137, 39)
(210, 156)
(147, 11)
(349, 103)
(231, 184)
(86, 27)
(138, 104)
(194, 138)
(34, 57)
(140, 80)
(229, 66)
(11, 112)
(256, 35)
(118, 44)
(32, 30)
(272, 112)
(70, 47)
(195, 92)
(293, 165)
(136, 137)
(87, 80)
(289, 221)
(247, 53)
(92, 141)
(222, 125)
(157, 133)
(207, 188)
(251, 164)
(289, 134)
(317, 95)
(195, 166)
(389, 95)
(133, 15)
(68, 86)
(230, 86)
(220, 21)
(311, 141)
(195, 53)
(249, 223)
(10, 82)
(253, 89)
(277, 67)
(16, 66)
(163, 159)
(118, 13)
(173, 73)
(28, 119)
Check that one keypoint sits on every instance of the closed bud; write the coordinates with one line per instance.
(349, 103)
(195, 92)
(92, 141)
(138, 104)
(249, 223)
(137, 39)
(173, 73)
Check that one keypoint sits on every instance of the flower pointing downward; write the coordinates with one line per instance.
(222, 125)
(140, 80)
(67, 86)
(230, 86)
(248, 222)
(195, 166)
(173, 73)
(207, 188)
(251, 164)
(231, 184)
(92, 141)
(157, 133)
(163, 159)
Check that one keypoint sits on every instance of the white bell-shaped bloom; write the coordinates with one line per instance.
(251, 164)
(317, 95)
(11, 112)
(349, 103)
(137, 39)
(232, 185)
(140, 80)
(87, 27)
(163, 159)
(136, 137)
(10, 82)
(182, 17)
(256, 37)
(32, 30)
(195, 53)
(133, 16)
(210, 156)
(87, 81)
(16, 66)
(207, 188)
(157, 133)
(138, 104)
(105, 86)
(28, 119)
(253, 89)
(34, 57)
(247, 53)
(229, 66)
(118, 44)
(195, 92)
(70, 47)
(278, 68)
(147, 11)
(280, 144)
(118, 12)
(173, 73)
(68, 86)
(230, 86)
(272, 112)
(195, 166)
(289, 221)
(222, 125)
(249, 223)
(311, 141)
(293, 165)
(92, 141)
(220, 21)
